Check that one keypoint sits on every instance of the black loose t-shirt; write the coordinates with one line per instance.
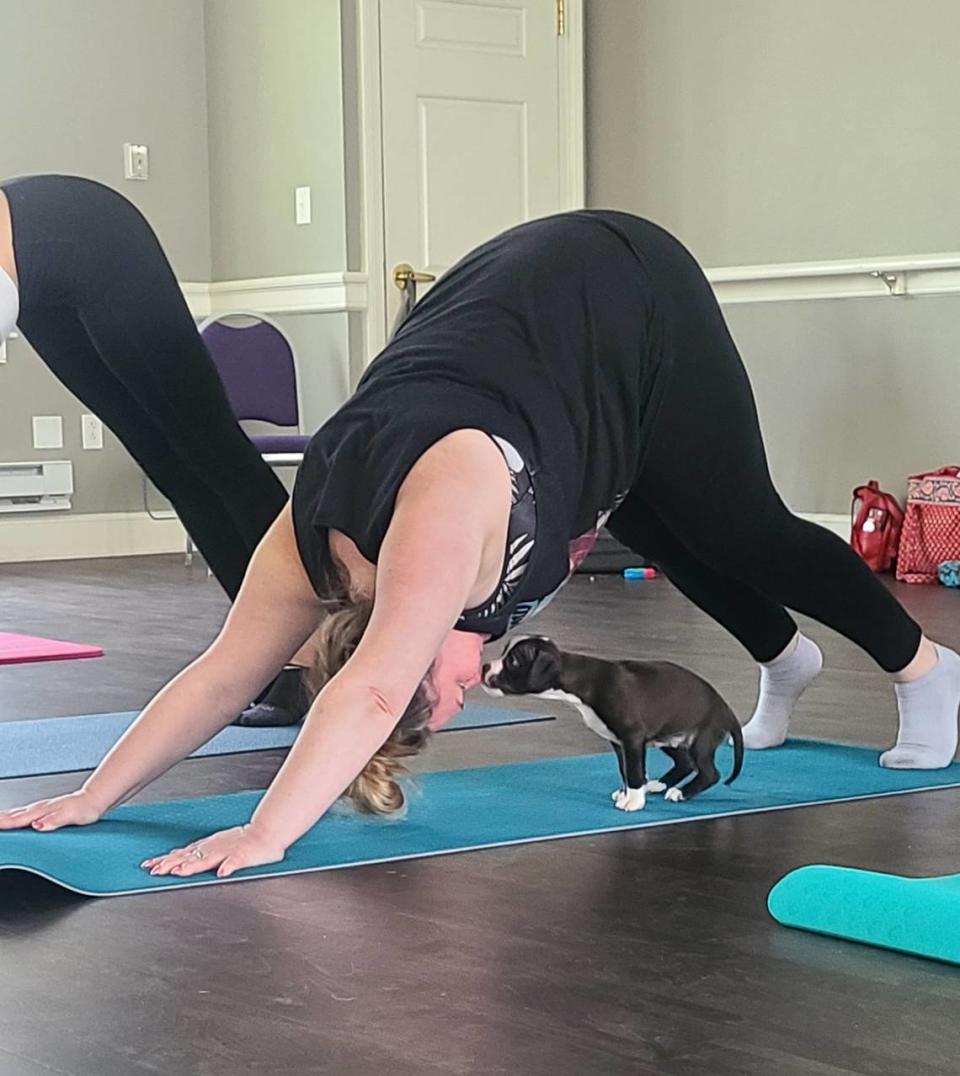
(548, 339)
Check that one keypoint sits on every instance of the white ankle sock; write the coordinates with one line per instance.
(928, 707)
(782, 682)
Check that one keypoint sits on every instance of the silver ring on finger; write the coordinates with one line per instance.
(198, 853)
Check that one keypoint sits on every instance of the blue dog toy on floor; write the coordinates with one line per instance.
(949, 573)
(912, 915)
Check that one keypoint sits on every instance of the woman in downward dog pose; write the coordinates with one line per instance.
(573, 370)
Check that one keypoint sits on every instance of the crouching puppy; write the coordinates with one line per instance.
(633, 704)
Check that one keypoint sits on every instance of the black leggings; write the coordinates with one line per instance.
(705, 510)
(101, 306)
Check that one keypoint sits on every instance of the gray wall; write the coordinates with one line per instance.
(77, 80)
(274, 91)
(852, 389)
(777, 131)
(770, 131)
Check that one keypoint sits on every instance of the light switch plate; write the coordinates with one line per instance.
(304, 211)
(136, 161)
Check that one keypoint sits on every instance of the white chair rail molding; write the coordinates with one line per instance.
(851, 278)
(855, 278)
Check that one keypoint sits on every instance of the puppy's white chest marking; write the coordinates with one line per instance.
(681, 740)
(590, 716)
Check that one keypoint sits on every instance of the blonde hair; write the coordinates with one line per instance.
(376, 789)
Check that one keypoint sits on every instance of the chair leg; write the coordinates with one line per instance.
(188, 551)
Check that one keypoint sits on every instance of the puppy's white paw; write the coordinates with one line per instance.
(674, 795)
(630, 799)
(617, 793)
(654, 786)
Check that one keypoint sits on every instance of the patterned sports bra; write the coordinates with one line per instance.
(521, 539)
(503, 612)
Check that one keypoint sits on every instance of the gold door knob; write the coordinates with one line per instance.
(404, 274)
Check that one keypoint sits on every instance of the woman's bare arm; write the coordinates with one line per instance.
(275, 611)
(450, 513)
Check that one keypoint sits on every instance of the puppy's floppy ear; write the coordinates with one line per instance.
(544, 668)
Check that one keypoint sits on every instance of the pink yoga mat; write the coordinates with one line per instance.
(15, 649)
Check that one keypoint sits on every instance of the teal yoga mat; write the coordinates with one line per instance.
(67, 744)
(456, 811)
(911, 915)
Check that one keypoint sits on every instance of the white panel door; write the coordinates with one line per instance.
(471, 138)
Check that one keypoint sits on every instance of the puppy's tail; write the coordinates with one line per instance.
(736, 734)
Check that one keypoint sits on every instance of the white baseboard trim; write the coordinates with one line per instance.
(308, 293)
(80, 537)
(839, 524)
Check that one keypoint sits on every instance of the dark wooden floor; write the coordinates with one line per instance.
(635, 953)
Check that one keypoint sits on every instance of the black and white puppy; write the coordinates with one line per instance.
(632, 704)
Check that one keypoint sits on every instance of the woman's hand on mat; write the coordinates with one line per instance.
(225, 852)
(74, 809)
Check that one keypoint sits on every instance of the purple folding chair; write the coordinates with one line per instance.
(259, 371)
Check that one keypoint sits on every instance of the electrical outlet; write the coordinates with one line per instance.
(91, 431)
(302, 202)
(136, 161)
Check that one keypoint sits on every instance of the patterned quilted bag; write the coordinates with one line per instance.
(931, 528)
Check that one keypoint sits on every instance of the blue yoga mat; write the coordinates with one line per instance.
(456, 811)
(67, 744)
(920, 916)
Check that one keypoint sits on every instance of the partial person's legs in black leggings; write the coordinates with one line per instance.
(704, 508)
(100, 304)
(762, 626)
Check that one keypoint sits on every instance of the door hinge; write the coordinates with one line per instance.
(561, 18)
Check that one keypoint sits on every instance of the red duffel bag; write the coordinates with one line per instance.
(931, 527)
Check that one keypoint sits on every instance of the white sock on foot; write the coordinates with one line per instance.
(782, 682)
(928, 707)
